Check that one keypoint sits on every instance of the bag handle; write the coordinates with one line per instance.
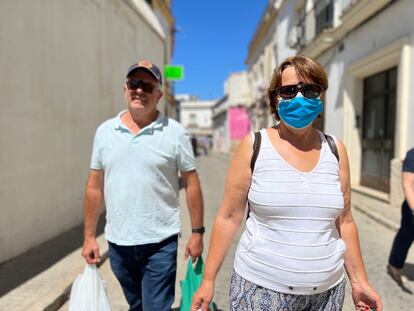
(332, 145)
(256, 148)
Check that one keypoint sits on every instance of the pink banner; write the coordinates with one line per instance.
(239, 122)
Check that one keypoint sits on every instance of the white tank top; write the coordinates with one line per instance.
(291, 244)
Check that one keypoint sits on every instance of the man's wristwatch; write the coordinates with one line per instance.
(200, 230)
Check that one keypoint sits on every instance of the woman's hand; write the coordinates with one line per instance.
(203, 296)
(365, 297)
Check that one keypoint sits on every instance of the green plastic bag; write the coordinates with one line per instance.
(191, 283)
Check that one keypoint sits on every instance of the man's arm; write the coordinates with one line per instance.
(196, 209)
(408, 187)
(93, 203)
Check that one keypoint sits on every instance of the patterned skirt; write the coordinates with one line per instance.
(247, 296)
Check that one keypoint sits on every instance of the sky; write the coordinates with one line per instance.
(212, 41)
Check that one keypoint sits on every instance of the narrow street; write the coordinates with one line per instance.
(375, 242)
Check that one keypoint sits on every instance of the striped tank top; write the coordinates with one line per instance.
(291, 244)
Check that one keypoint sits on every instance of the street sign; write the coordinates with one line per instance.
(174, 72)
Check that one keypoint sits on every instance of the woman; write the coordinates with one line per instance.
(300, 234)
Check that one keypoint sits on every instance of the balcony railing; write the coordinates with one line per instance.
(345, 5)
(314, 21)
(324, 10)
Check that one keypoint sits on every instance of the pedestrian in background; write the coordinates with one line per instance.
(405, 235)
(134, 171)
(194, 145)
(300, 235)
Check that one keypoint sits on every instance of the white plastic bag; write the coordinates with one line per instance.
(88, 292)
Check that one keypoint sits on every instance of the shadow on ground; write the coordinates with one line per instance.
(409, 271)
(26, 266)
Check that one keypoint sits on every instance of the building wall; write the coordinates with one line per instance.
(63, 68)
(285, 35)
(364, 52)
(221, 141)
(239, 125)
(197, 116)
(261, 61)
(238, 88)
(162, 10)
(202, 117)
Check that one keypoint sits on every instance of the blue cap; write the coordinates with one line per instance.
(147, 66)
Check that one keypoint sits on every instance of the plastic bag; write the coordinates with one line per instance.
(88, 292)
(191, 283)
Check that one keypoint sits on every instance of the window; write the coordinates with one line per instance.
(324, 15)
(378, 128)
(192, 120)
(301, 27)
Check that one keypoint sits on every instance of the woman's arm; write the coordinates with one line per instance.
(363, 293)
(228, 220)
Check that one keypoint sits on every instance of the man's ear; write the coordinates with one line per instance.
(160, 95)
(125, 92)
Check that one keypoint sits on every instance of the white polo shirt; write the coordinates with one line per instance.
(141, 178)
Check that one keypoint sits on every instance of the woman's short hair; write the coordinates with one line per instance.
(306, 68)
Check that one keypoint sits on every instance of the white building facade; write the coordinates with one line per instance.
(197, 117)
(63, 70)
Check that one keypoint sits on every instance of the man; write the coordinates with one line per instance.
(405, 235)
(134, 170)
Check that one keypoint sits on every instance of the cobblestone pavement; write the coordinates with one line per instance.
(375, 243)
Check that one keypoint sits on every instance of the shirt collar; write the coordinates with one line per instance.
(118, 125)
(156, 124)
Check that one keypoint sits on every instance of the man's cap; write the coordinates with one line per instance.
(147, 66)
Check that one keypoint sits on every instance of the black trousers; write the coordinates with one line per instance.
(403, 239)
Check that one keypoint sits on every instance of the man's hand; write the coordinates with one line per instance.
(93, 203)
(194, 246)
(90, 251)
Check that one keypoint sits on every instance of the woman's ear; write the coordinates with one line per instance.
(276, 114)
(323, 96)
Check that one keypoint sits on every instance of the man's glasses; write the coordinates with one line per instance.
(308, 90)
(144, 86)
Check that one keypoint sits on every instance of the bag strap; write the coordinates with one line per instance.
(256, 149)
(332, 145)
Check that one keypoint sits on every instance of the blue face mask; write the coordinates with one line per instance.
(299, 112)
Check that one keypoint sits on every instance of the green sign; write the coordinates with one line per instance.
(174, 73)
